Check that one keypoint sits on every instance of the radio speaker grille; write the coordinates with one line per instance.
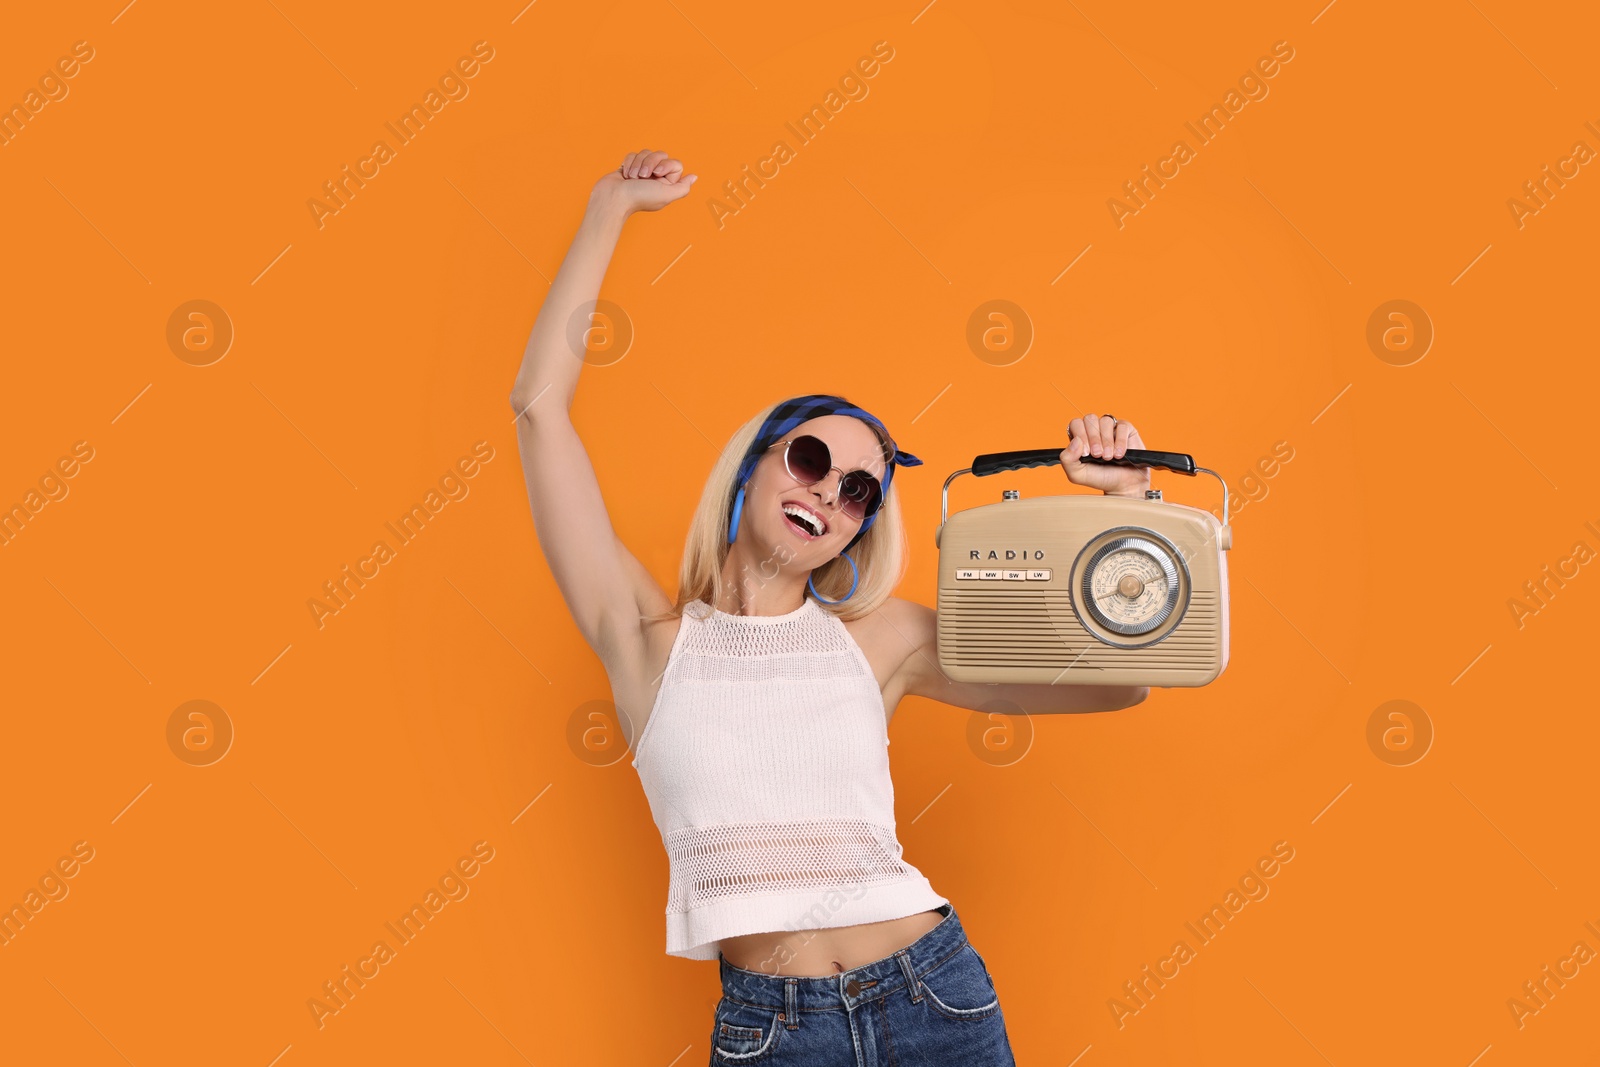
(1040, 629)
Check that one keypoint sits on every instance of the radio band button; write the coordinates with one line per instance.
(969, 574)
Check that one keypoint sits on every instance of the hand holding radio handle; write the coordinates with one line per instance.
(1181, 462)
(999, 462)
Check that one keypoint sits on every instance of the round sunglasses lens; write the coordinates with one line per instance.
(860, 494)
(809, 460)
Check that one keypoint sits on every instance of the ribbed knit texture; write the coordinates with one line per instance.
(765, 762)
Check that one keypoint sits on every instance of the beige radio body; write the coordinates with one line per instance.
(1083, 590)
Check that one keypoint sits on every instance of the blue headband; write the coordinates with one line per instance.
(791, 413)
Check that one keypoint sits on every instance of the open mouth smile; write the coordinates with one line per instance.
(807, 523)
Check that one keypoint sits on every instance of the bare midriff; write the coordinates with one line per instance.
(818, 953)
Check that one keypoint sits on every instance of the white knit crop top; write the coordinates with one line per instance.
(765, 762)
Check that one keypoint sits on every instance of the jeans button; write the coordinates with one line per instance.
(852, 987)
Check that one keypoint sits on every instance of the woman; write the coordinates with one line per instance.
(760, 726)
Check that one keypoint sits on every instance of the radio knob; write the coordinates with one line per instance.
(1130, 586)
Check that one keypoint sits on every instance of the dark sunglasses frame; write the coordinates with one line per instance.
(849, 498)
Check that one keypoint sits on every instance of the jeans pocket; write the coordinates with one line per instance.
(743, 1033)
(960, 987)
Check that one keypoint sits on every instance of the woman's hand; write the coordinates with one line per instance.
(646, 181)
(1108, 438)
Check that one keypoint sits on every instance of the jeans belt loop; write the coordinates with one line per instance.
(912, 985)
(791, 1003)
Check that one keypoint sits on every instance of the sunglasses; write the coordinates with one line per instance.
(808, 461)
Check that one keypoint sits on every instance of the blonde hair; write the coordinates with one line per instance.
(880, 554)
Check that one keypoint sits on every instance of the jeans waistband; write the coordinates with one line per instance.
(893, 973)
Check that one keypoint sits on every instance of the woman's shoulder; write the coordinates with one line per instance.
(890, 634)
(897, 615)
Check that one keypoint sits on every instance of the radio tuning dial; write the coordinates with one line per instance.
(1131, 583)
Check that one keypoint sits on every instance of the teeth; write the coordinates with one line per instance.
(804, 516)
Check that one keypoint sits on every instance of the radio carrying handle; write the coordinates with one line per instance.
(1000, 462)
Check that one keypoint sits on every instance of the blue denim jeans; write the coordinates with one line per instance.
(932, 1002)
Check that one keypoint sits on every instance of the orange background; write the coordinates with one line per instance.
(441, 703)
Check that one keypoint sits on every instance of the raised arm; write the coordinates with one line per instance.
(604, 585)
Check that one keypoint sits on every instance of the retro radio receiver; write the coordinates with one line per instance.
(1081, 589)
